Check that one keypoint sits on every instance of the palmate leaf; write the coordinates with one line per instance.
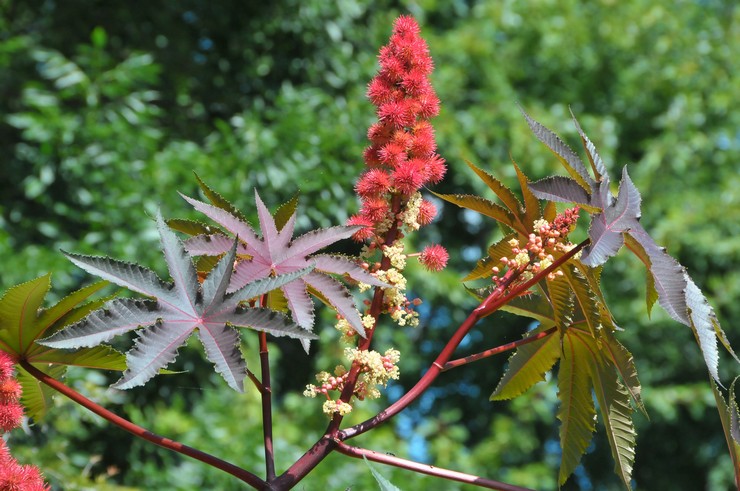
(37, 396)
(276, 252)
(730, 425)
(23, 320)
(175, 311)
(527, 366)
(615, 222)
(587, 367)
(613, 399)
(576, 412)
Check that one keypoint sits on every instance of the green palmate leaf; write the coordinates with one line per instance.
(624, 363)
(192, 227)
(585, 299)
(614, 223)
(485, 207)
(616, 413)
(18, 313)
(285, 212)
(219, 201)
(613, 400)
(276, 301)
(576, 413)
(561, 297)
(730, 425)
(37, 396)
(651, 293)
(383, 483)
(23, 321)
(550, 211)
(507, 197)
(527, 366)
(531, 203)
(534, 306)
(495, 253)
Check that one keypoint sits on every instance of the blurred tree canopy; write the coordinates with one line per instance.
(107, 108)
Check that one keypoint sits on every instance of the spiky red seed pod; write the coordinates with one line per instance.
(10, 391)
(434, 257)
(379, 91)
(370, 156)
(7, 365)
(427, 212)
(374, 209)
(427, 106)
(406, 25)
(380, 133)
(392, 154)
(364, 233)
(415, 83)
(435, 169)
(398, 113)
(15, 477)
(372, 183)
(11, 415)
(403, 139)
(408, 178)
(423, 144)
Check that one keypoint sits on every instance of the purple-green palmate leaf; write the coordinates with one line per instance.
(615, 221)
(176, 310)
(23, 320)
(276, 252)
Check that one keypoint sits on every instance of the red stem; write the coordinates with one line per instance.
(143, 433)
(266, 394)
(497, 350)
(388, 459)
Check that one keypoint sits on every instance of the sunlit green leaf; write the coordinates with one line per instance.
(527, 366)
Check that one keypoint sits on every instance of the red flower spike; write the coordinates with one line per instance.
(434, 257)
(402, 141)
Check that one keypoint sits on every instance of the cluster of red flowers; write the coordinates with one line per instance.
(13, 476)
(402, 156)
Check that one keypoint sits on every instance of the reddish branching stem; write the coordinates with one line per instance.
(143, 433)
(430, 470)
(500, 296)
(497, 350)
(266, 394)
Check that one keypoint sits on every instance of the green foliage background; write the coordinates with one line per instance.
(107, 109)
